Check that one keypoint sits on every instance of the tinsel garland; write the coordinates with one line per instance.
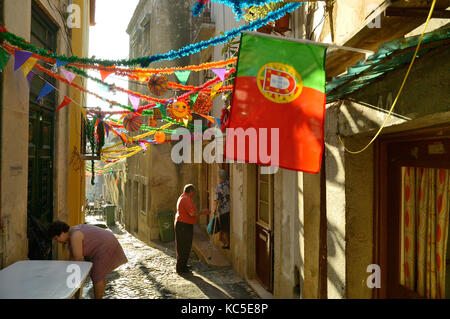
(198, 7)
(140, 109)
(238, 5)
(136, 73)
(171, 55)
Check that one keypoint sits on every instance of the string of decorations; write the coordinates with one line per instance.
(238, 5)
(140, 109)
(137, 73)
(146, 61)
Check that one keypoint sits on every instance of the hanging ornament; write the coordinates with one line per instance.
(179, 111)
(152, 122)
(158, 84)
(203, 104)
(160, 137)
(132, 122)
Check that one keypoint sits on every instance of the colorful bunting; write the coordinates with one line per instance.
(28, 66)
(220, 72)
(64, 103)
(144, 147)
(135, 101)
(68, 75)
(60, 63)
(4, 58)
(47, 89)
(20, 58)
(30, 77)
(215, 89)
(103, 88)
(183, 76)
(104, 74)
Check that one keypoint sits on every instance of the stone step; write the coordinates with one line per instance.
(206, 251)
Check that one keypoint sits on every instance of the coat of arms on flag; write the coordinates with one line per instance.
(279, 97)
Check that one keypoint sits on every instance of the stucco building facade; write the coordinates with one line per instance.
(321, 237)
(293, 234)
(40, 149)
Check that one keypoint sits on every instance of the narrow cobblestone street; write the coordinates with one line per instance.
(150, 274)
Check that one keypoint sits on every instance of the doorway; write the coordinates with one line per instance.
(414, 207)
(264, 229)
(41, 126)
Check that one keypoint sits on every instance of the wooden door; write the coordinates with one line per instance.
(41, 126)
(264, 229)
(430, 150)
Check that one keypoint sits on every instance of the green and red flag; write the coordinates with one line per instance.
(280, 84)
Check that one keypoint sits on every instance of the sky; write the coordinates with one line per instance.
(109, 40)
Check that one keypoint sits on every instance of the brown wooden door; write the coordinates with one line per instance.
(41, 126)
(264, 230)
(429, 150)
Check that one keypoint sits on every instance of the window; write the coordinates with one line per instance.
(144, 199)
(424, 229)
(413, 220)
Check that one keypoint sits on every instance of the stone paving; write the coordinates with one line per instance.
(150, 274)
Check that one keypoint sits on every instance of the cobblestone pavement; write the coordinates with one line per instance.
(150, 274)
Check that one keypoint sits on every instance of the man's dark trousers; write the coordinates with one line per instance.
(183, 242)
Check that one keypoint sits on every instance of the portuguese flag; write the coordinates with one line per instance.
(280, 84)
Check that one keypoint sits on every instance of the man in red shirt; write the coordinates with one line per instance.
(185, 220)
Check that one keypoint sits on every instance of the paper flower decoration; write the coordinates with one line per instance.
(203, 104)
(152, 122)
(132, 122)
(160, 137)
(179, 111)
(158, 84)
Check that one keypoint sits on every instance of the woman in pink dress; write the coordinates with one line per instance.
(99, 245)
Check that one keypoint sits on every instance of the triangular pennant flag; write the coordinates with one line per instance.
(68, 75)
(30, 77)
(106, 129)
(105, 74)
(28, 66)
(185, 121)
(194, 97)
(220, 72)
(60, 63)
(143, 146)
(4, 58)
(135, 101)
(215, 89)
(45, 91)
(142, 77)
(183, 76)
(103, 87)
(218, 122)
(65, 102)
(20, 58)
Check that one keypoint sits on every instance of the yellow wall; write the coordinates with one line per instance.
(76, 183)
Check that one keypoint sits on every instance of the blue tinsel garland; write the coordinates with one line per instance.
(198, 8)
(171, 55)
(196, 47)
(238, 5)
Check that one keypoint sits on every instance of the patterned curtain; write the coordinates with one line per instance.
(426, 194)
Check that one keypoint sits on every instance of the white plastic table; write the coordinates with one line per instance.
(42, 279)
